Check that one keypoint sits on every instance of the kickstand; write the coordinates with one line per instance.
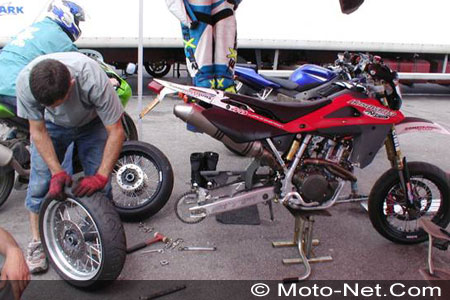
(303, 233)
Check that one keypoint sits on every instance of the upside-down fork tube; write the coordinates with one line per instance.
(192, 114)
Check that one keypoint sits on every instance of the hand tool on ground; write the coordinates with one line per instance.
(153, 251)
(163, 293)
(197, 248)
(158, 237)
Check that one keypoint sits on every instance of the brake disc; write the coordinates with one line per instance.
(131, 179)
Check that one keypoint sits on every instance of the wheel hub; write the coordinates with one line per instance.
(71, 239)
(131, 178)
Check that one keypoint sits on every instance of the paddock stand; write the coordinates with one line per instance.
(303, 240)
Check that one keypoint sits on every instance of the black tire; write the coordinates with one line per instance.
(110, 232)
(6, 186)
(135, 205)
(157, 69)
(130, 128)
(424, 177)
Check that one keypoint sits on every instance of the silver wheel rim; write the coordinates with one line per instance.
(73, 240)
(136, 181)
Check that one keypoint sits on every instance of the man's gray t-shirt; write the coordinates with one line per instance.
(91, 96)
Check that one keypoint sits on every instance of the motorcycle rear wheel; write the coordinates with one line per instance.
(84, 239)
(142, 181)
(6, 186)
(387, 204)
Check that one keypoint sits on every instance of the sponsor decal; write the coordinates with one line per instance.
(201, 94)
(373, 110)
(422, 128)
(7, 9)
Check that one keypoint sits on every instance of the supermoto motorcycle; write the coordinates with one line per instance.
(304, 153)
(83, 237)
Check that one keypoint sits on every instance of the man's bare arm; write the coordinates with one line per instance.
(44, 145)
(116, 136)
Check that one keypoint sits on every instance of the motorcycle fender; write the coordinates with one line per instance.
(409, 125)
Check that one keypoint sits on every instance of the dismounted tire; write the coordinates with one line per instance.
(142, 181)
(387, 205)
(6, 185)
(157, 69)
(130, 128)
(84, 239)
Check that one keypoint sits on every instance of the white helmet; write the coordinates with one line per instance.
(68, 15)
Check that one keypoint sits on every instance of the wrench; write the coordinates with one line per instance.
(153, 251)
(197, 248)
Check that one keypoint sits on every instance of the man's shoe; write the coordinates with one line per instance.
(36, 259)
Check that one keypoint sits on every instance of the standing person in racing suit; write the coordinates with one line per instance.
(57, 32)
(209, 34)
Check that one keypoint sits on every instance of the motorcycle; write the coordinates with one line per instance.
(307, 82)
(304, 153)
(83, 237)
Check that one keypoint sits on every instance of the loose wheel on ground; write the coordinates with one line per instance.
(84, 239)
(142, 181)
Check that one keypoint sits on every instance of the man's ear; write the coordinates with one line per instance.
(349, 6)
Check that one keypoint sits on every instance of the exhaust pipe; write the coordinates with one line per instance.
(192, 114)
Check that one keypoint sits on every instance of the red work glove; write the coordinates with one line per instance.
(87, 186)
(57, 184)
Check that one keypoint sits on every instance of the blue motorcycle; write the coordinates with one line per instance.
(308, 82)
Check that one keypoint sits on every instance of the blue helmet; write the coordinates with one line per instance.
(68, 15)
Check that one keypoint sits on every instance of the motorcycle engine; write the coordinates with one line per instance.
(315, 184)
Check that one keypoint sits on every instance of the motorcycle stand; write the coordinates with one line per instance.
(303, 239)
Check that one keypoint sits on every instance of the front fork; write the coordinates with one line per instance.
(398, 161)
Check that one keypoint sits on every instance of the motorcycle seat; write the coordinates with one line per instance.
(284, 112)
(290, 85)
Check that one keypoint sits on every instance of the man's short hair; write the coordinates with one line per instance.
(49, 81)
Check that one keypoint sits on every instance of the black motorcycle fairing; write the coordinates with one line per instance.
(239, 128)
(283, 112)
(367, 140)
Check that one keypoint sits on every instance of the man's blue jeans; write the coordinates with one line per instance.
(89, 140)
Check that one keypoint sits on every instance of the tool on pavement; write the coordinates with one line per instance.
(153, 251)
(158, 237)
(197, 248)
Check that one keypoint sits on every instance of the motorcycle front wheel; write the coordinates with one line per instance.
(142, 181)
(84, 239)
(399, 222)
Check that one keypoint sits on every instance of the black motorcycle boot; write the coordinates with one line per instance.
(197, 165)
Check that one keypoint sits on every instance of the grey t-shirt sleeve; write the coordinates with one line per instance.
(101, 93)
(27, 106)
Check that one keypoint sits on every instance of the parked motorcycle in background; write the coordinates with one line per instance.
(304, 153)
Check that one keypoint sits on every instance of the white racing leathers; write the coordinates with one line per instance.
(209, 34)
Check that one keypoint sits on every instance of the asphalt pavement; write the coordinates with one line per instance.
(245, 252)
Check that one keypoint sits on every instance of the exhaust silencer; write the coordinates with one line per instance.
(192, 114)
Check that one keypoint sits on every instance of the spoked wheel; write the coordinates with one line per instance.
(398, 221)
(6, 185)
(83, 239)
(142, 181)
(182, 206)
